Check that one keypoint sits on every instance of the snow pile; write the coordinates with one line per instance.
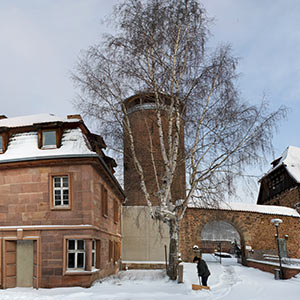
(137, 276)
(248, 207)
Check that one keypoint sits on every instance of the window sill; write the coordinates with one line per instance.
(49, 147)
(80, 272)
(61, 208)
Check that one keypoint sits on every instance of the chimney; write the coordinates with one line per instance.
(74, 117)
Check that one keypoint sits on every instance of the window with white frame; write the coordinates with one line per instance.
(76, 254)
(93, 254)
(61, 191)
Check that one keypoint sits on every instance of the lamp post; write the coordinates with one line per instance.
(220, 251)
(276, 222)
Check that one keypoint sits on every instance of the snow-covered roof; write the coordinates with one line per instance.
(24, 146)
(75, 142)
(290, 158)
(248, 207)
(33, 119)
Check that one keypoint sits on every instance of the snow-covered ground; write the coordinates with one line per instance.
(229, 281)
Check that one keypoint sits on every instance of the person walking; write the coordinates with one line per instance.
(202, 269)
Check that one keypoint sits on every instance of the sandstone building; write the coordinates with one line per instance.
(60, 204)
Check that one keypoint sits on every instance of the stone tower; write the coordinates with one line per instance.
(144, 239)
(141, 111)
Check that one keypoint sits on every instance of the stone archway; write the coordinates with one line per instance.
(194, 222)
(221, 236)
(255, 230)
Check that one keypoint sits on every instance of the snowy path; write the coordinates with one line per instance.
(229, 281)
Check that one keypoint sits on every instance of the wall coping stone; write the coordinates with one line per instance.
(294, 267)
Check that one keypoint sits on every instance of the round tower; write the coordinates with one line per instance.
(143, 119)
(145, 239)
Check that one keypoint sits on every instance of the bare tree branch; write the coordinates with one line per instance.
(199, 120)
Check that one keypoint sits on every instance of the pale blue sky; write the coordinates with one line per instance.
(265, 34)
(41, 39)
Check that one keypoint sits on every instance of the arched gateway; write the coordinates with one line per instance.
(251, 222)
(220, 236)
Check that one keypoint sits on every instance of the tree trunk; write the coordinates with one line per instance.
(173, 251)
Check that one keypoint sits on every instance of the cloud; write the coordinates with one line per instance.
(40, 42)
(265, 35)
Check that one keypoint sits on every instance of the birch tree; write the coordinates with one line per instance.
(160, 48)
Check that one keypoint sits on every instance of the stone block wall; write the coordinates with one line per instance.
(255, 230)
(144, 127)
(26, 213)
(288, 272)
(25, 196)
(53, 261)
(288, 198)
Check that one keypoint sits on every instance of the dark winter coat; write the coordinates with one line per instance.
(202, 268)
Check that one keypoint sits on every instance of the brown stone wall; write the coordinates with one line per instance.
(287, 272)
(288, 198)
(53, 260)
(25, 196)
(255, 230)
(50, 257)
(211, 246)
(106, 223)
(25, 201)
(144, 126)
(143, 266)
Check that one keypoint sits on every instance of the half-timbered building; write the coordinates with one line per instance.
(281, 184)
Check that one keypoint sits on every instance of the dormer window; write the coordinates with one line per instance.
(49, 139)
(1, 144)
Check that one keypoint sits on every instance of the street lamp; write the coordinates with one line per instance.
(276, 222)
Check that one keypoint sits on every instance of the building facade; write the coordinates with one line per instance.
(281, 184)
(60, 204)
